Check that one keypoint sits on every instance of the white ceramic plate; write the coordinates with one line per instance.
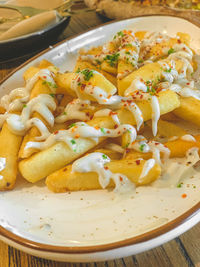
(97, 225)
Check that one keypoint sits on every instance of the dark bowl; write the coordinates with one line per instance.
(20, 46)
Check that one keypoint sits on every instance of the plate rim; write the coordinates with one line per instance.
(147, 236)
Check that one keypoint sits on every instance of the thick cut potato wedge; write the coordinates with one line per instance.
(39, 88)
(47, 161)
(66, 180)
(178, 149)
(189, 110)
(152, 71)
(87, 65)
(64, 82)
(9, 148)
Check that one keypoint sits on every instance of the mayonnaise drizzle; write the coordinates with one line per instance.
(82, 130)
(95, 162)
(2, 165)
(42, 104)
(149, 164)
(188, 137)
(15, 100)
(74, 110)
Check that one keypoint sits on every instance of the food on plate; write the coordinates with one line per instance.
(112, 122)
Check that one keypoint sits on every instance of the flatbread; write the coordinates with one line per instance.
(123, 10)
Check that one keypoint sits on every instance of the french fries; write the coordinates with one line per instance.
(66, 180)
(189, 110)
(110, 132)
(9, 148)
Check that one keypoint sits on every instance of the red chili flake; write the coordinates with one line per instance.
(184, 48)
(78, 80)
(123, 100)
(115, 126)
(108, 132)
(121, 179)
(100, 95)
(83, 86)
(56, 132)
(179, 41)
(137, 162)
(82, 105)
(188, 83)
(89, 83)
(156, 143)
(87, 114)
(184, 195)
(106, 168)
(118, 132)
(129, 101)
(112, 113)
(44, 77)
(91, 117)
(141, 96)
(137, 93)
(128, 150)
(125, 105)
(65, 169)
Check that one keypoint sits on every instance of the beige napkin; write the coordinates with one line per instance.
(38, 22)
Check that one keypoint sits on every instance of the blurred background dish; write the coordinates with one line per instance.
(21, 33)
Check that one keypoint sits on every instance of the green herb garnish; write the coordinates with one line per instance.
(170, 51)
(53, 95)
(73, 142)
(142, 147)
(24, 106)
(103, 130)
(179, 185)
(64, 113)
(120, 34)
(104, 156)
(78, 70)
(87, 74)
(72, 125)
(112, 59)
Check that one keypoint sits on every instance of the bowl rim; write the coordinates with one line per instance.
(147, 236)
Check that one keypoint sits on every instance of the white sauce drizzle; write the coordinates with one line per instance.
(2, 166)
(95, 162)
(73, 110)
(19, 124)
(149, 164)
(82, 130)
(188, 137)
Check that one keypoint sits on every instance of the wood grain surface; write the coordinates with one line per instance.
(183, 251)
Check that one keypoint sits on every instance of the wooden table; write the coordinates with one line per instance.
(183, 251)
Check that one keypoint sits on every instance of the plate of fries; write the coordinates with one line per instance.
(99, 142)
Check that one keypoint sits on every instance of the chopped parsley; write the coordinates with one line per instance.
(104, 156)
(112, 59)
(142, 147)
(179, 185)
(73, 142)
(140, 61)
(98, 61)
(64, 113)
(103, 130)
(72, 125)
(127, 53)
(87, 74)
(170, 51)
(78, 70)
(120, 34)
(24, 106)
(128, 45)
(53, 95)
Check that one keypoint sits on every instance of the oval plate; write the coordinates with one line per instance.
(96, 225)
